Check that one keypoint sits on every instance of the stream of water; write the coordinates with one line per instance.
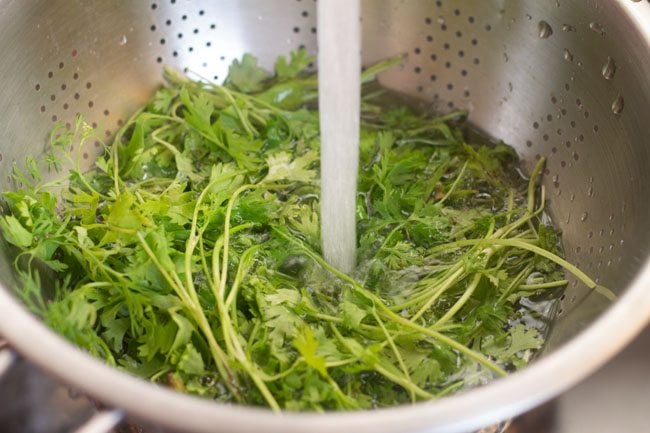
(339, 87)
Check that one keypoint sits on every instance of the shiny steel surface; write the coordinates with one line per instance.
(568, 80)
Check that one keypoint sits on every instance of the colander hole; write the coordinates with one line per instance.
(159, 59)
(488, 27)
(89, 85)
(553, 99)
(545, 137)
(456, 12)
(417, 69)
(63, 86)
(459, 34)
(179, 36)
(445, 46)
(42, 108)
(434, 57)
(575, 156)
(429, 38)
(208, 44)
(578, 249)
(120, 122)
(65, 106)
(427, 20)
(91, 104)
(463, 72)
(461, 53)
(433, 77)
(474, 41)
(529, 143)
(107, 133)
(563, 164)
(76, 96)
(196, 31)
(549, 117)
(586, 114)
(190, 49)
(536, 125)
(553, 149)
(74, 52)
(447, 65)
(162, 41)
(573, 124)
(443, 27)
(61, 65)
(559, 131)
(154, 6)
(595, 128)
(450, 86)
(417, 50)
(202, 12)
(305, 14)
(214, 26)
(37, 87)
(175, 54)
(296, 29)
(85, 155)
(54, 118)
(563, 111)
(471, 19)
(476, 61)
(168, 22)
(152, 28)
(466, 93)
(75, 76)
(50, 74)
(106, 112)
(52, 98)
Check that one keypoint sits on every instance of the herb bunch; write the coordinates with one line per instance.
(189, 254)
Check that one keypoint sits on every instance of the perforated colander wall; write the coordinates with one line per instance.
(555, 79)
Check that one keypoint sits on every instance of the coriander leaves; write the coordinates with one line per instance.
(189, 255)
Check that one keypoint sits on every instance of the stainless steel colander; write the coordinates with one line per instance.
(569, 80)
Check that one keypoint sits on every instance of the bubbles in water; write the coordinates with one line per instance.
(123, 40)
(544, 30)
(618, 105)
(568, 28)
(598, 28)
(567, 55)
(609, 69)
(584, 216)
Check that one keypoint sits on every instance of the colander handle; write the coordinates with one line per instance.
(102, 422)
(7, 357)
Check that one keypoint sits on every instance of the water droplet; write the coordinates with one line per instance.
(567, 55)
(440, 20)
(568, 28)
(609, 69)
(123, 40)
(509, 86)
(556, 178)
(590, 191)
(597, 28)
(618, 105)
(580, 63)
(505, 57)
(529, 17)
(584, 216)
(572, 197)
(544, 29)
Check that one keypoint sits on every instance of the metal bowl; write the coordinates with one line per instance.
(563, 79)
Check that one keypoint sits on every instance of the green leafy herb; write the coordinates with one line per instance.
(189, 255)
